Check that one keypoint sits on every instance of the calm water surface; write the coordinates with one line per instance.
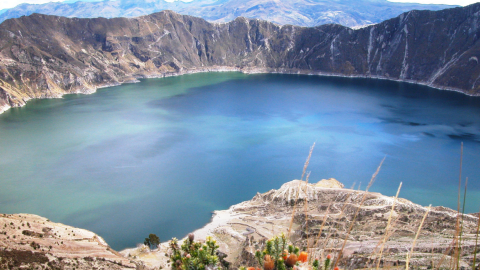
(160, 155)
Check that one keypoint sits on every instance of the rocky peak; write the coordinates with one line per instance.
(330, 183)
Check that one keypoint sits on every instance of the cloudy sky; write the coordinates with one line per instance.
(12, 3)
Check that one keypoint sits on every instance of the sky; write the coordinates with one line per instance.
(12, 3)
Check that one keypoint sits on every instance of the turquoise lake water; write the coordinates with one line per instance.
(160, 155)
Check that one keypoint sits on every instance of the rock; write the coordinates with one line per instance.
(30, 241)
(329, 183)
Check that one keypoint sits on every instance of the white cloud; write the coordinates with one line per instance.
(447, 2)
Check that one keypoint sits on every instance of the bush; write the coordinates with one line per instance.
(194, 255)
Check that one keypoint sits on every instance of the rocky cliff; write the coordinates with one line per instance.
(47, 56)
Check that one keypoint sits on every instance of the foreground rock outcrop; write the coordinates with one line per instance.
(47, 56)
(321, 222)
(32, 242)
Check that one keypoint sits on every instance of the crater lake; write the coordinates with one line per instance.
(160, 155)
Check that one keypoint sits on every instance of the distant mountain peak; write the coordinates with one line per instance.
(350, 13)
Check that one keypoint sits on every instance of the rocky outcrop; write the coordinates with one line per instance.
(32, 242)
(321, 215)
(330, 183)
(321, 222)
(47, 56)
(297, 12)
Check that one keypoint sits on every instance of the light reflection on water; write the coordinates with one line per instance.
(160, 155)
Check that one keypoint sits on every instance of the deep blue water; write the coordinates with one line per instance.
(158, 156)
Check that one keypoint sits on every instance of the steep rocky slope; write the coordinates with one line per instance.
(324, 213)
(47, 56)
(296, 12)
(32, 242)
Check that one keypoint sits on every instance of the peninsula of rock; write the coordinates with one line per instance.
(323, 214)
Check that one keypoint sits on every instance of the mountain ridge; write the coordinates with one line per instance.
(43, 56)
(295, 12)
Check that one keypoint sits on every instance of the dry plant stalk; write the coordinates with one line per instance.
(306, 210)
(476, 242)
(323, 224)
(461, 227)
(340, 215)
(388, 235)
(325, 242)
(298, 190)
(372, 180)
(409, 255)
(457, 224)
(450, 247)
(388, 225)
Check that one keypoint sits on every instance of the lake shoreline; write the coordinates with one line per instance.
(246, 70)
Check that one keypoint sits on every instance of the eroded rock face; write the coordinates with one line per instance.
(32, 242)
(321, 221)
(47, 56)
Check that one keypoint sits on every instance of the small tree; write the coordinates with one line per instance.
(152, 240)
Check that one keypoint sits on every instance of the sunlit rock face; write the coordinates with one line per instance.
(47, 56)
